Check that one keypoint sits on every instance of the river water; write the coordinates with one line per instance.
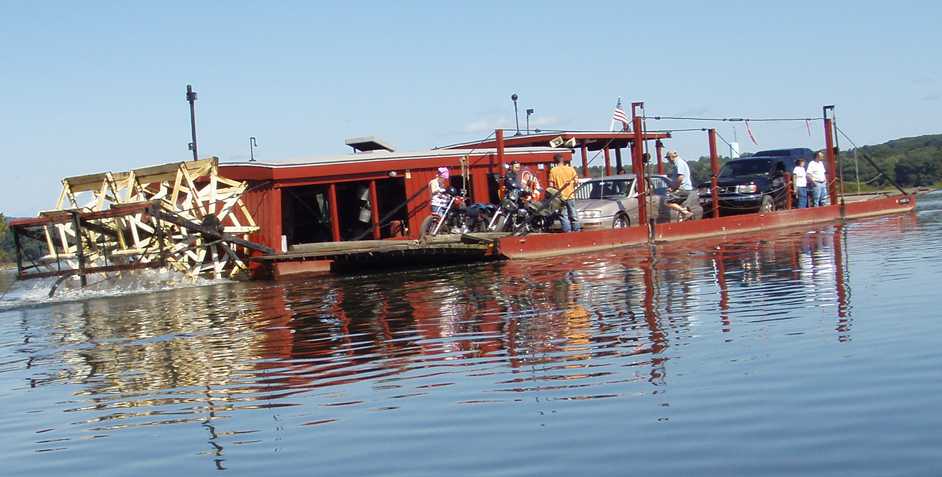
(802, 351)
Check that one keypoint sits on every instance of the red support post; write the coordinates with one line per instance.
(829, 155)
(500, 150)
(788, 190)
(714, 172)
(585, 161)
(659, 147)
(608, 162)
(374, 211)
(637, 166)
(334, 212)
(275, 228)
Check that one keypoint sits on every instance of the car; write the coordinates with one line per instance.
(611, 202)
(753, 184)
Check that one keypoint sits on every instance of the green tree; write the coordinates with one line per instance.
(912, 161)
(4, 239)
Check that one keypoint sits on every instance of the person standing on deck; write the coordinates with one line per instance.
(564, 178)
(512, 179)
(819, 181)
(800, 177)
(681, 186)
(531, 184)
(439, 191)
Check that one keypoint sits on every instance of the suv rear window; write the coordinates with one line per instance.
(746, 167)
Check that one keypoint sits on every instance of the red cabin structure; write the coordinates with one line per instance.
(372, 195)
(383, 194)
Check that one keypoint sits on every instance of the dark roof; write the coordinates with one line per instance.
(369, 143)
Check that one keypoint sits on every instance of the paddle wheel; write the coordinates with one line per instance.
(182, 216)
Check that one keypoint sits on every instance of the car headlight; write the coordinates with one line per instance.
(746, 189)
(590, 214)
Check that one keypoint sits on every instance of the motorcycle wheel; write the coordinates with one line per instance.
(428, 226)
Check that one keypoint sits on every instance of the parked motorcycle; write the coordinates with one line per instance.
(519, 215)
(458, 217)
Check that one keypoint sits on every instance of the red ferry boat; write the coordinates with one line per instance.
(366, 209)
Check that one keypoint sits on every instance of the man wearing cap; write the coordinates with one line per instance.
(564, 178)
(439, 191)
(681, 186)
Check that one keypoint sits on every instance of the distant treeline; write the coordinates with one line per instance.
(6, 241)
(911, 162)
(31, 248)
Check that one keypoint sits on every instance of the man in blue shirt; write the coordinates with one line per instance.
(681, 186)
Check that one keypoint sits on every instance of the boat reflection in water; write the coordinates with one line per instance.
(315, 352)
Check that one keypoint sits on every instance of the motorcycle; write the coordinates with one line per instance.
(520, 215)
(457, 218)
(542, 214)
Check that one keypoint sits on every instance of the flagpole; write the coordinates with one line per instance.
(611, 126)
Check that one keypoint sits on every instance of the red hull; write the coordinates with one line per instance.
(544, 245)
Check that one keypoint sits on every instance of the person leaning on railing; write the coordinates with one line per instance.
(564, 178)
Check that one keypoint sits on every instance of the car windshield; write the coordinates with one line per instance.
(604, 189)
(747, 167)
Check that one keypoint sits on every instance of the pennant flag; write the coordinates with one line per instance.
(749, 132)
(619, 115)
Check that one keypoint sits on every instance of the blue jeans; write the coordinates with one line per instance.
(569, 220)
(820, 194)
(802, 193)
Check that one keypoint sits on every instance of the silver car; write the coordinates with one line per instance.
(611, 201)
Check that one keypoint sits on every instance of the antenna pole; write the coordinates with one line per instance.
(191, 98)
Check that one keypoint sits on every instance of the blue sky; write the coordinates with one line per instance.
(93, 86)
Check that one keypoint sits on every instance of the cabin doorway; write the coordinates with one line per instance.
(305, 213)
(493, 188)
(393, 211)
(461, 185)
(356, 213)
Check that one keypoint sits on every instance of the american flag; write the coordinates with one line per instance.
(619, 115)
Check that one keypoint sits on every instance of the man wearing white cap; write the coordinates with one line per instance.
(439, 192)
(682, 187)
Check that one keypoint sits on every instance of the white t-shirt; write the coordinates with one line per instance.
(439, 193)
(800, 176)
(816, 171)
